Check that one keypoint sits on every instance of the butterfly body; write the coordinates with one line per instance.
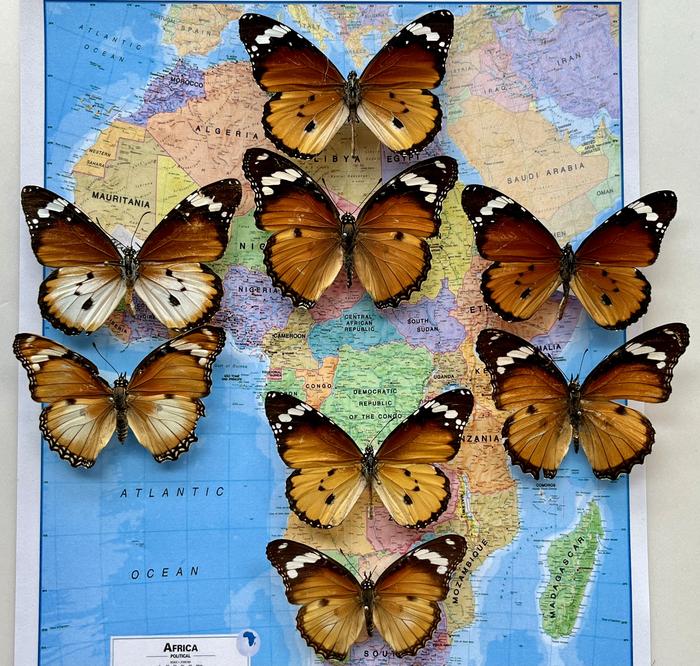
(402, 604)
(547, 412)
(160, 403)
(529, 265)
(95, 272)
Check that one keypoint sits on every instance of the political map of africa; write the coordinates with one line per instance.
(145, 102)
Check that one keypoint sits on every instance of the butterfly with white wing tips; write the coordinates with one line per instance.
(547, 411)
(311, 99)
(529, 265)
(95, 273)
(311, 242)
(331, 471)
(335, 607)
(160, 403)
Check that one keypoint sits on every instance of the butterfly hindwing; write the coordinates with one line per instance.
(615, 437)
(412, 488)
(307, 107)
(406, 595)
(606, 280)
(391, 257)
(526, 255)
(304, 255)
(79, 418)
(331, 616)
(527, 383)
(328, 478)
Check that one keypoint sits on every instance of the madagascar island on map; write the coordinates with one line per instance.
(146, 102)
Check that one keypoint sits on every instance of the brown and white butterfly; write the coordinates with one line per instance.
(335, 607)
(547, 411)
(312, 242)
(529, 265)
(311, 99)
(160, 403)
(331, 471)
(94, 275)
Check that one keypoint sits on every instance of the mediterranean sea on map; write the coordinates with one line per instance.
(146, 101)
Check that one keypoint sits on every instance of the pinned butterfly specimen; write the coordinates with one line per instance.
(311, 99)
(312, 242)
(335, 607)
(529, 265)
(331, 471)
(160, 403)
(95, 272)
(547, 411)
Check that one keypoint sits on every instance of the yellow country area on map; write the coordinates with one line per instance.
(523, 155)
(318, 382)
(138, 186)
(95, 159)
(195, 29)
(208, 136)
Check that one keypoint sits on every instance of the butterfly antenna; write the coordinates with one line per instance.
(101, 355)
(578, 374)
(138, 224)
(351, 566)
(370, 193)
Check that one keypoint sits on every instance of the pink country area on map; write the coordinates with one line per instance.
(575, 63)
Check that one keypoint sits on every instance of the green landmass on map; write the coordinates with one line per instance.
(570, 561)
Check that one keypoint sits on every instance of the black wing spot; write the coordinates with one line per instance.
(311, 126)
(407, 472)
(70, 401)
(606, 299)
(88, 304)
(301, 115)
(312, 98)
(173, 300)
(321, 488)
(323, 603)
(168, 272)
(518, 282)
(620, 409)
(90, 275)
(330, 499)
(416, 488)
(531, 267)
(407, 500)
(331, 472)
(397, 123)
(297, 232)
(531, 409)
(392, 95)
(526, 293)
(604, 273)
(398, 235)
(411, 597)
(616, 290)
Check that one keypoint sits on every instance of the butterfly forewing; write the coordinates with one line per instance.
(331, 616)
(413, 489)
(79, 419)
(164, 391)
(307, 108)
(391, 257)
(605, 280)
(395, 101)
(406, 595)
(328, 478)
(526, 255)
(527, 383)
(61, 234)
(304, 255)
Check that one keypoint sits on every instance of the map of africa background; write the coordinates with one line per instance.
(147, 101)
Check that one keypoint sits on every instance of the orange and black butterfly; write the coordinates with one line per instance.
(95, 273)
(312, 242)
(311, 99)
(335, 607)
(547, 411)
(160, 403)
(331, 471)
(530, 265)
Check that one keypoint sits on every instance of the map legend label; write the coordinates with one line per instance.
(216, 650)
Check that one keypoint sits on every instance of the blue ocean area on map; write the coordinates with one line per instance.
(131, 547)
